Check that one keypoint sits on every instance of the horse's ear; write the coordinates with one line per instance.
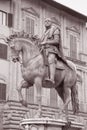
(7, 40)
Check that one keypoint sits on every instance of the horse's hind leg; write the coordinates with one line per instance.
(65, 94)
(66, 100)
(67, 97)
(23, 84)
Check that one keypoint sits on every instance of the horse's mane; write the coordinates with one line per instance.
(29, 40)
(22, 36)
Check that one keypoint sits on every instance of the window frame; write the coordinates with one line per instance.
(73, 46)
(75, 33)
(6, 50)
(31, 32)
(4, 22)
(32, 16)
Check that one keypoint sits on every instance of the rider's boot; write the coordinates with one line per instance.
(52, 73)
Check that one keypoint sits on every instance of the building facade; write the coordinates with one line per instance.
(29, 15)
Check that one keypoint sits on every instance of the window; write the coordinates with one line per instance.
(3, 18)
(30, 21)
(6, 19)
(73, 41)
(30, 95)
(30, 25)
(3, 51)
(73, 46)
(2, 91)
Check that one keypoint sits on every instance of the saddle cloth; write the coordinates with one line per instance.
(60, 65)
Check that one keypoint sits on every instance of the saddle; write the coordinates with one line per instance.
(60, 64)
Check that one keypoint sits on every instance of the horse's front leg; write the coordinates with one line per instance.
(38, 85)
(23, 84)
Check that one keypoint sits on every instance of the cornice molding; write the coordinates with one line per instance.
(74, 29)
(31, 11)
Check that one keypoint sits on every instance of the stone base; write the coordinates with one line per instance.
(49, 124)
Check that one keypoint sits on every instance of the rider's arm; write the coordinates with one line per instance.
(55, 40)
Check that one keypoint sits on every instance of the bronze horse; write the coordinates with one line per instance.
(34, 72)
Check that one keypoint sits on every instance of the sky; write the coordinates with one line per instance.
(78, 5)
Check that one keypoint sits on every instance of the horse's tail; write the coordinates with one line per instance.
(74, 98)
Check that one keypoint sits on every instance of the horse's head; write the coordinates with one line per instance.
(28, 46)
(14, 53)
(15, 49)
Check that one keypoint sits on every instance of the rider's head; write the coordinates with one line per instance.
(48, 22)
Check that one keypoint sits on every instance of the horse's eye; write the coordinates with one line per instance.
(12, 45)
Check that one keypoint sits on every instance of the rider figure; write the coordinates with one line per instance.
(51, 42)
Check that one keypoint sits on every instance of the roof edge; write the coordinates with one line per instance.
(66, 9)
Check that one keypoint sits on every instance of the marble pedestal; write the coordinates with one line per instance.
(49, 124)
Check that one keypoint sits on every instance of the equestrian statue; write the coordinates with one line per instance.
(44, 65)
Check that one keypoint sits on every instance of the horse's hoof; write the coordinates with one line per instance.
(49, 83)
(24, 103)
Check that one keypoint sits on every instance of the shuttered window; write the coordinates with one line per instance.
(2, 91)
(73, 47)
(30, 25)
(3, 51)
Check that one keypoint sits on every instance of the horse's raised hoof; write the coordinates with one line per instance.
(50, 83)
(24, 103)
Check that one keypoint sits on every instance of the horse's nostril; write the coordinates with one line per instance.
(17, 59)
